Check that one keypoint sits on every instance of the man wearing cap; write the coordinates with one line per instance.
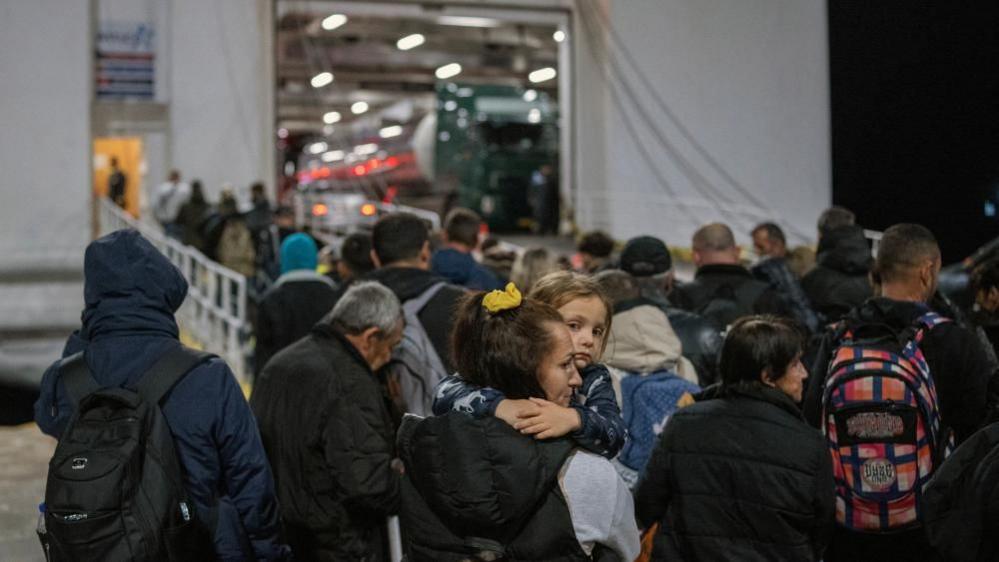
(647, 260)
(723, 290)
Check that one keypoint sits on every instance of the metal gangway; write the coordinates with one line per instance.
(213, 315)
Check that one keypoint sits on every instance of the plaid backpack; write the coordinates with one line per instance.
(882, 425)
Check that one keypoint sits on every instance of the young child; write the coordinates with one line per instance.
(593, 418)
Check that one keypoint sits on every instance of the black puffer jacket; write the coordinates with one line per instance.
(288, 311)
(839, 281)
(475, 487)
(330, 441)
(739, 476)
(961, 503)
(724, 293)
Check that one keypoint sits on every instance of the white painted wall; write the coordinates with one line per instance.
(45, 62)
(747, 78)
(221, 93)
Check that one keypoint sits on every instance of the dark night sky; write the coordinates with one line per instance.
(915, 116)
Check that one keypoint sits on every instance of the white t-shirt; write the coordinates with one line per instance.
(600, 505)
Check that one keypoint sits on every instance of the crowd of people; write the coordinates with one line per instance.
(519, 405)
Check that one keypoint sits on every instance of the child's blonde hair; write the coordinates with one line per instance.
(561, 287)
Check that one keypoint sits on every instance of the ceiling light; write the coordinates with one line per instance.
(366, 149)
(359, 107)
(334, 21)
(542, 74)
(534, 115)
(322, 79)
(331, 117)
(317, 147)
(410, 42)
(333, 156)
(530, 95)
(389, 132)
(448, 71)
(558, 36)
(464, 21)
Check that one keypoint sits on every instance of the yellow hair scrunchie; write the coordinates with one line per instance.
(496, 301)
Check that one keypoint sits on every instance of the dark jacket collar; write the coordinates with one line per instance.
(324, 330)
(722, 269)
(406, 282)
(752, 391)
(881, 309)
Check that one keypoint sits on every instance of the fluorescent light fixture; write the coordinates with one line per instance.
(359, 107)
(333, 156)
(466, 21)
(322, 79)
(558, 36)
(542, 74)
(317, 147)
(448, 71)
(530, 95)
(334, 21)
(389, 132)
(534, 115)
(331, 117)
(365, 149)
(410, 42)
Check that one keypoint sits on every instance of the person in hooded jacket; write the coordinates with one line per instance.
(739, 475)
(131, 292)
(299, 298)
(477, 489)
(839, 282)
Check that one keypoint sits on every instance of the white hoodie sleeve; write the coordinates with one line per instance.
(600, 505)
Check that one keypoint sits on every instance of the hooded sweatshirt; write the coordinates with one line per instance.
(298, 299)
(642, 341)
(839, 281)
(131, 292)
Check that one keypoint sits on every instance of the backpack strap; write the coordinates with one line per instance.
(926, 322)
(77, 378)
(415, 305)
(167, 372)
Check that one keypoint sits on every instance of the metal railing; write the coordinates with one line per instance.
(214, 312)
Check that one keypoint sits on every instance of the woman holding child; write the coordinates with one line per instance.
(476, 488)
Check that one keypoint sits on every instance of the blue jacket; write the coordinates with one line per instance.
(131, 292)
(461, 268)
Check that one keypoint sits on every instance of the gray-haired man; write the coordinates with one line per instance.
(328, 432)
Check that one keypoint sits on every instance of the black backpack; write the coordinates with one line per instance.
(115, 487)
